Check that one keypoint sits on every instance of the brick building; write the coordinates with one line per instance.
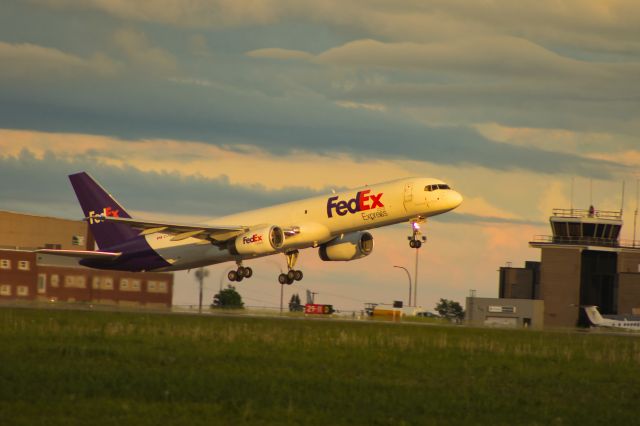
(24, 275)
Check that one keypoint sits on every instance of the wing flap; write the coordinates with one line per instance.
(182, 230)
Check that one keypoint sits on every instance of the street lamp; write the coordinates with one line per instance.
(409, 277)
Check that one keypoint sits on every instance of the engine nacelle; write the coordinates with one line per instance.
(352, 246)
(264, 240)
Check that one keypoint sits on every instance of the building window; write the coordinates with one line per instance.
(135, 285)
(75, 281)
(95, 284)
(42, 283)
(77, 240)
(55, 280)
(106, 283)
(23, 290)
(23, 265)
(5, 264)
(129, 284)
(5, 290)
(157, 286)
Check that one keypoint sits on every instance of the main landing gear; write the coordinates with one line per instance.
(416, 238)
(241, 273)
(293, 274)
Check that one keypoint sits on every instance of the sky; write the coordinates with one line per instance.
(191, 110)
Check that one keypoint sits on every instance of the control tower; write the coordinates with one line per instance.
(584, 262)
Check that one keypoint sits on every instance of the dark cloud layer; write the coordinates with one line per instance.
(160, 109)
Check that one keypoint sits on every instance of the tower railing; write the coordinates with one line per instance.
(587, 213)
(593, 241)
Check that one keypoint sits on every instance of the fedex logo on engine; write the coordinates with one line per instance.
(363, 200)
(255, 238)
(107, 211)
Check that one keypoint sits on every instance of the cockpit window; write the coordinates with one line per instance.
(436, 187)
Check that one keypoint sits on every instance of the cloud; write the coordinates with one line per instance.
(493, 55)
(137, 48)
(358, 105)
(277, 53)
(590, 25)
(23, 61)
(42, 186)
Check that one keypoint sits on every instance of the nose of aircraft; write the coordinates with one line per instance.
(455, 199)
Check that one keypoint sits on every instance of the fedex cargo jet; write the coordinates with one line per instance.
(336, 224)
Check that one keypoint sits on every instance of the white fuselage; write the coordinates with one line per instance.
(319, 219)
(599, 321)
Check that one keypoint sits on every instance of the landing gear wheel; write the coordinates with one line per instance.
(248, 272)
(412, 243)
(232, 275)
(418, 244)
(240, 278)
(289, 281)
(291, 275)
(241, 271)
(283, 279)
(297, 275)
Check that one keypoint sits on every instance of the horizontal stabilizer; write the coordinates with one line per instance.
(81, 254)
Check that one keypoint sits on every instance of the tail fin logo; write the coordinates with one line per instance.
(95, 218)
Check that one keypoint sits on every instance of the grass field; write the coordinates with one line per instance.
(83, 367)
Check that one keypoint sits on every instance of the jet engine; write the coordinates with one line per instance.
(263, 240)
(351, 246)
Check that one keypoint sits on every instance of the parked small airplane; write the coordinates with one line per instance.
(336, 224)
(598, 320)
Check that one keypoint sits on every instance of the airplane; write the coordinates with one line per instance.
(336, 224)
(597, 320)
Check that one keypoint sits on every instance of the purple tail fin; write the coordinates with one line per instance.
(95, 201)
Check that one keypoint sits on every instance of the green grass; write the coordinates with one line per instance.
(83, 367)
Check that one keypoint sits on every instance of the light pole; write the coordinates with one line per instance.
(409, 277)
(201, 274)
(415, 280)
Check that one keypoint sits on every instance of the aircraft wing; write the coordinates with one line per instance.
(181, 230)
(83, 254)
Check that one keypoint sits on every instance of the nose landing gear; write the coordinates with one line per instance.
(416, 238)
(293, 274)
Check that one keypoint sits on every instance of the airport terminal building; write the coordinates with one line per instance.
(27, 276)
